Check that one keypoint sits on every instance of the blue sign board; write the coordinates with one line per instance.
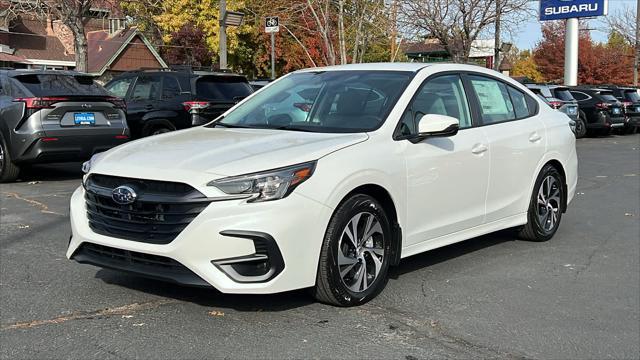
(566, 9)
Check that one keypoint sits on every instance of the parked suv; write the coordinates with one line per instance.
(54, 116)
(599, 109)
(559, 98)
(159, 101)
(631, 105)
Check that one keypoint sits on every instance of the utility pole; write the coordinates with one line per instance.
(496, 50)
(637, 57)
(223, 35)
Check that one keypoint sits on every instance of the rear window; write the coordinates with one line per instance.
(222, 88)
(608, 97)
(632, 95)
(563, 94)
(59, 84)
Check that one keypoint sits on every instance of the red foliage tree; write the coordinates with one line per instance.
(610, 63)
(187, 47)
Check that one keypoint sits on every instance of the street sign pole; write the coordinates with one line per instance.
(272, 26)
(571, 52)
(273, 56)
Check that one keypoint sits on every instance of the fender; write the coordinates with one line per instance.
(549, 156)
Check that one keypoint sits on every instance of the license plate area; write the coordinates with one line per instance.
(85, 118)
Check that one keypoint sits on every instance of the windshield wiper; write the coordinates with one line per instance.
(291, 128)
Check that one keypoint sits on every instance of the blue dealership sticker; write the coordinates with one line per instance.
(84, 118)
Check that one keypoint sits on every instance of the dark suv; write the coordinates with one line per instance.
(630, 99)
(159, 101)
(55, 116)
(599, 109)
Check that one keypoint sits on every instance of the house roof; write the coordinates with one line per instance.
(104, 48)
(13, 58)
(31, 42)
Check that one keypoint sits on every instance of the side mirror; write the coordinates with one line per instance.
(437, 125)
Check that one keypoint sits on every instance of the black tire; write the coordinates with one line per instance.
(331, 287)
(581, 128)
(156, 129)
(536, 229)
(8, 170)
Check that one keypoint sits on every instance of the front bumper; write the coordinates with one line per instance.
(218, 236)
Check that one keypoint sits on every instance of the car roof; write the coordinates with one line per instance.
(397, 66)
(18, 72)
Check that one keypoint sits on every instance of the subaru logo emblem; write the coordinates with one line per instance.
(86, 106)
(124, 195)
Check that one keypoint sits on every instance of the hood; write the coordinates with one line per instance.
(219, 151)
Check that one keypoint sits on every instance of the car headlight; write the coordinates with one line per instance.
(267, 185)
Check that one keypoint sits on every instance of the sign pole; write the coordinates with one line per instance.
(571, 52)
(273, 56)
(223, 36)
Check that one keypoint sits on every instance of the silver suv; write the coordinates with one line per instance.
(55, 116)
(559, 98)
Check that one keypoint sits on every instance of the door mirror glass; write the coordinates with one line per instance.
(437, 125)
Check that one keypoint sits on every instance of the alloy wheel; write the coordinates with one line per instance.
(548, 203)
(361, 252)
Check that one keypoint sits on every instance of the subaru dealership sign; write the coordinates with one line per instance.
(566, 9)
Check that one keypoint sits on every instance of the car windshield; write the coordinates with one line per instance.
(323, 101)
(632, 95)
(59, 84)
(563, 94)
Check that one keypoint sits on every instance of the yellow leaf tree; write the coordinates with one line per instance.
(525, 65)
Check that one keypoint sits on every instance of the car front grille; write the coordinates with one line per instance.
(161, 211)
(154, 266)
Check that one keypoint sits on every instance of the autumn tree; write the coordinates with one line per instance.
(72, 13)
(457, 23)
(597, 63)
(187, 46)
(525, 65)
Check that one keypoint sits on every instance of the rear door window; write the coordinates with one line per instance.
(519, 103)
(147, 88)
(608, 97)
(225, 88)
(120, 87)
(61, 85)
(494, 99)
(580, 96)
(632, 95)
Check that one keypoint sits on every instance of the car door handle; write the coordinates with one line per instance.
(535, 137)
(479, 149)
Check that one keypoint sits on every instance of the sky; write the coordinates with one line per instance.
(528, 35)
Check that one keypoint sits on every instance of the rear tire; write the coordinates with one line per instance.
(352, 272)
(546, 206)
(156, 129)
(581, 128)
(8, 170)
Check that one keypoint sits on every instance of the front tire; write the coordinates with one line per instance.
(546, 206)
(581, 128)
(355, 254)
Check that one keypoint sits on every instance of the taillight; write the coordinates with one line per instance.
(303, 106)
(602, 105)
(555, 104)
(195, 105)
(118, 102)
(40, 102)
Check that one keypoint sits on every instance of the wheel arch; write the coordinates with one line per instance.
(150, 124)
(556, 163)
(382, 195)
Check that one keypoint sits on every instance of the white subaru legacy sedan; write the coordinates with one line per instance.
(387, 161)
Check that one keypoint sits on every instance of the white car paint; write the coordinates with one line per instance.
(444, 190)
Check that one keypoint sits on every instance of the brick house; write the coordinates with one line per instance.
(112, 48)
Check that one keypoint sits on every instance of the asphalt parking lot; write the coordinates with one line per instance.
(577, 296)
